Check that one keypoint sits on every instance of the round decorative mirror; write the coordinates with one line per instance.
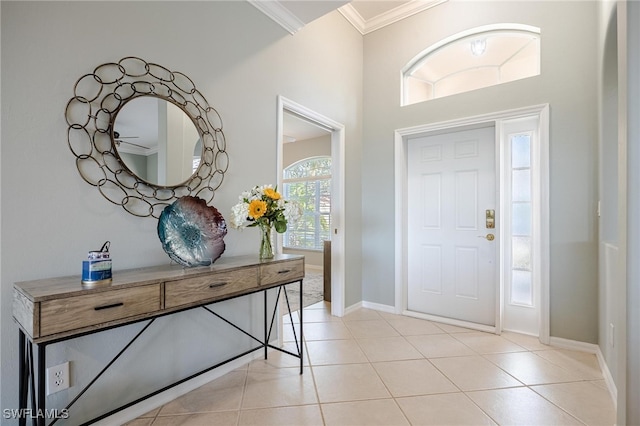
(145, 136)
(155, 140)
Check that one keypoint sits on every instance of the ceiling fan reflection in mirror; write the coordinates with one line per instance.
(119, 140)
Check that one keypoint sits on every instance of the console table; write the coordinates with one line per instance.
(53, 310)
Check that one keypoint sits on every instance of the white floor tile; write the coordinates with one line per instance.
(373, 368)
(532, 369)
(388, 349)
(474, 373)
(383, 412)
(413, 377)
(520, 406)
(445, 409)
(350, 382)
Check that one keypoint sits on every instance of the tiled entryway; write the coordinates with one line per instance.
(372, 368)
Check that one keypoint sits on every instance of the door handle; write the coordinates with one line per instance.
(488, 237)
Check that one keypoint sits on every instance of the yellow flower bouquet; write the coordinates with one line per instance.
(264, 207)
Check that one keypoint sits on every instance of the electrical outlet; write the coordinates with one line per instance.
(58, 378)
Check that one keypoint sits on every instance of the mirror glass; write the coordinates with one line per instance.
(157, 141)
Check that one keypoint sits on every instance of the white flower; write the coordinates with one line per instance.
(278, 212)
(239, 214)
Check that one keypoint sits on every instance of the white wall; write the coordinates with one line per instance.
(240, 61)
(567, 82)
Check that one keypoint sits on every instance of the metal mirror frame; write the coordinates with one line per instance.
(91, 113)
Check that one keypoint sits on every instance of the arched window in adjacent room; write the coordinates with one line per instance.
(477, 58)
(308, 182)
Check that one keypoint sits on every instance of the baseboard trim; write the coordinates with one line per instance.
(575, 345)
(593, 349)
(143, 407)
(352, 308)
(379, 307)
(451, 321)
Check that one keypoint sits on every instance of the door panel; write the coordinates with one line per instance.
(451, 271)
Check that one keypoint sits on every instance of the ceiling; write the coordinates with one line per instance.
(371, 15)
(298, 129)
(365, 15)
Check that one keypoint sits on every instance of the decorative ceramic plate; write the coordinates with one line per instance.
(191, 232)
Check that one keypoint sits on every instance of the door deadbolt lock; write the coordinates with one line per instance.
(490, 216)
(488, 237)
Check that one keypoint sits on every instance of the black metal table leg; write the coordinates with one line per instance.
(23, 377)
(32, 381)
(42, 357)
(26, 385)
(301, 332)
(266, 335)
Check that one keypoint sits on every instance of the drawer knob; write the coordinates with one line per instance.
(113, 305)
(216, 285)
(284, 271)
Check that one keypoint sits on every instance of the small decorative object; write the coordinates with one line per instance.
(264, 207)
(96, 270)
(192, 233)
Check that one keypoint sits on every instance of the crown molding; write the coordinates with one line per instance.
(387, 18)
(352, 15)
(280, 14)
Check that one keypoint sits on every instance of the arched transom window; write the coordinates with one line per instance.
(481, 57)
(308, 182)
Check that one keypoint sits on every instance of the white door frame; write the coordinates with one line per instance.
(541, 153)
(337, 191)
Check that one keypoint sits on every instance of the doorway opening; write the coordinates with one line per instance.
(307, 182)
(311, 171)
(521, 228)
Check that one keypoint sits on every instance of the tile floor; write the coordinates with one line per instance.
(373, 368)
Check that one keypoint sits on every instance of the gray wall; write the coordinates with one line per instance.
(137, 164)
(567, 82)
(611, 289)
(300, 150)
(240, 61)
(629, 110)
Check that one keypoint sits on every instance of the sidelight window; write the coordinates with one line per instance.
(521, 223)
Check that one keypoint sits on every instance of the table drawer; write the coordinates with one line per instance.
(209, 287)
(72, 313)
(272, 273)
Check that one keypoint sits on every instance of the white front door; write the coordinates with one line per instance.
(452, 257)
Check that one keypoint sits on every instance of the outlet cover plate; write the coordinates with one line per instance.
(58, 378)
